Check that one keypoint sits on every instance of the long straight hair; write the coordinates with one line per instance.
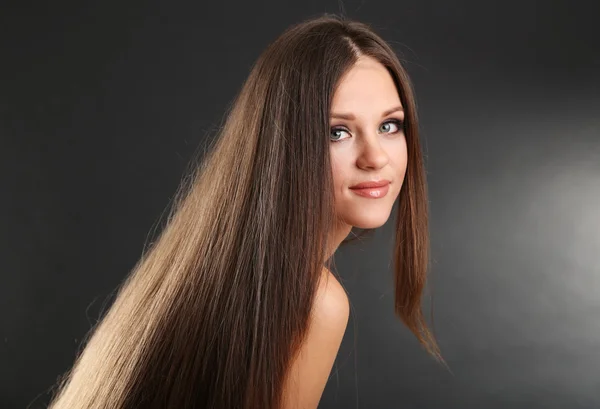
(217, 307)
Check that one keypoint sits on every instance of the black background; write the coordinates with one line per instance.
(102, 106)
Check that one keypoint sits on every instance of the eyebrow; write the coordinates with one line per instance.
(351, 117)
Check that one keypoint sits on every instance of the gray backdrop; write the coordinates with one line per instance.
(102, 107)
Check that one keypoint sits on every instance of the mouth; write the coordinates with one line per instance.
(375, 184)
(371, 190)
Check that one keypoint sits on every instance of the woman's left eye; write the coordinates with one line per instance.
(395, 122)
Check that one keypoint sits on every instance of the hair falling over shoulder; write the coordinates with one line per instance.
(214, 311)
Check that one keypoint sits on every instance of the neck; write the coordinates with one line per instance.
(339, 233)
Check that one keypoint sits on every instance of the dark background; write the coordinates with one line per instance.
(102, 107)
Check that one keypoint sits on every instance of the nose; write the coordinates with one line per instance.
(372, 155)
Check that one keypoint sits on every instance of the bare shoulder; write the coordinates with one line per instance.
(310, 370)
(331, 302)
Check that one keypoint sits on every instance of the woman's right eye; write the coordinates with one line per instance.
(335, 134)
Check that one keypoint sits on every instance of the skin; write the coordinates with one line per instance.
(368, 147)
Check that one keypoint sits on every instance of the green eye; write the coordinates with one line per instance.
(335, 135)
(399, 125)
(386, 127)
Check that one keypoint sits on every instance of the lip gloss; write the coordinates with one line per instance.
(372, 192)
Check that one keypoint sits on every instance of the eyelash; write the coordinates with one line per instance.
(399, 123)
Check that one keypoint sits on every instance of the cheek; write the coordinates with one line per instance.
(399, 157)
(337, 174)
(339, 171)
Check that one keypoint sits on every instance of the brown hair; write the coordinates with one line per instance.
(216, 308)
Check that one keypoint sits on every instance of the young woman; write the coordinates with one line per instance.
(235, 304)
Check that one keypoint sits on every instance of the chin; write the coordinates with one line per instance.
(368, 225)
(364, 222)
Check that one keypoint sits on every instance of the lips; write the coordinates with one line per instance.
(371, 184)
(372, 189)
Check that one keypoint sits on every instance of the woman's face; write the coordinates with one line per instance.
(367, 143)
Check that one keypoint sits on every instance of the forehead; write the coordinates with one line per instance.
(366, 85)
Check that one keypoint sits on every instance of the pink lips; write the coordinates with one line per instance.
(372, 189)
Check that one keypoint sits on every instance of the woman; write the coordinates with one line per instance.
(235, 304)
